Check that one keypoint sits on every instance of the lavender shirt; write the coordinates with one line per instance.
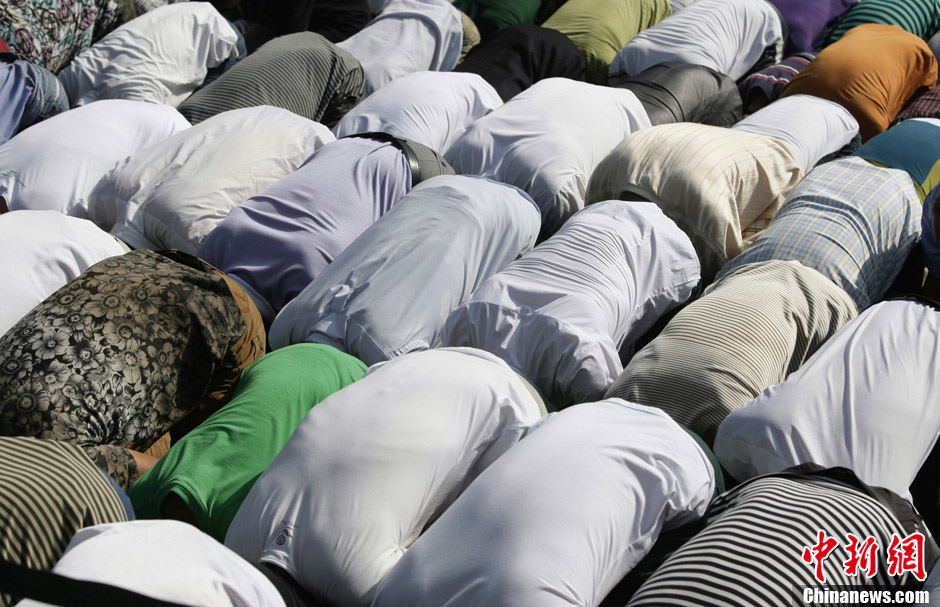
(276, 243)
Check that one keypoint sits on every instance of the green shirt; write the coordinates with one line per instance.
(213, 467)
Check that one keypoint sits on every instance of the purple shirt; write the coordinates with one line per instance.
(276, 243)
(808, 20)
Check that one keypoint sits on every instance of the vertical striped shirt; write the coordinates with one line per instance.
(48, 491)
(751, 551)
(304, 73)
(748, 331)
(851, 221)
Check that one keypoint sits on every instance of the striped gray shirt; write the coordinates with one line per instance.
(748, 331)
(48, 491)
(750, 553)
(303, 72)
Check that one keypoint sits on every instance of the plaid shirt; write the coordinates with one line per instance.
(849, 220)
(925, 106)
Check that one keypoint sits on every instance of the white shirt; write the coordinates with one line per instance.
(55, 164)
(166, 560)
(169, 196)
(865, 400)
(372, 465)
(561, 313)
(41, 251)
(390, 291)
(809, 126)
(432, 108)
(728, 36)
(560, 518)
(408, 36)
(160, 57)
(547, 140)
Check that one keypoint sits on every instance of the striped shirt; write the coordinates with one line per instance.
(748, 331)
(750, 552)
(48, 491)
(771, 81)
(713, 182)
(851, 221)
(919, 17)
(304, 73)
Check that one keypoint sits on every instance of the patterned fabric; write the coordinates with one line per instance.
(923, 106)
(48, 491)
(748, 331)
(919, 17)
(848, 219)
(770, 82)
(115, 358)
(304, 73)
(51, 32)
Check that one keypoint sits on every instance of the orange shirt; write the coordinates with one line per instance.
(871, 71)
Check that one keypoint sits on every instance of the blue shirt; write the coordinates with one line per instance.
(20, 96)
